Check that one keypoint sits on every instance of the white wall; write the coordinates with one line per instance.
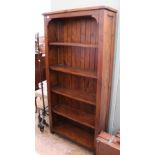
(69, 4)
(114, 119)
(41, 7)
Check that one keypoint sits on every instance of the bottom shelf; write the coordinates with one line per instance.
(75, 134)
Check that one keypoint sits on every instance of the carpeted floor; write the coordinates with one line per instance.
(52, 144)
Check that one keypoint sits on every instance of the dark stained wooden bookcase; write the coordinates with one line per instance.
(79, 58)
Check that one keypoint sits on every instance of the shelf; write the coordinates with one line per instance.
(76, 95)
(73, 44)
(73, 71)
(75, 134)
(84, 118)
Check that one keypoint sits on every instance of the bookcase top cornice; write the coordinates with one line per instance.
(81, 9)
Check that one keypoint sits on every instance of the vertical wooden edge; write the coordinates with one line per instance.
(108, 53)
(111, 15)
(97, 152)
(99, 69)
(104, 77)
(46, 21)
(99, 77)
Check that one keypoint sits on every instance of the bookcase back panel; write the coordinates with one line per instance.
(67, 81)
(76, 57)
(53, 55)
(59, 119)
(79, 29)
(80, 106)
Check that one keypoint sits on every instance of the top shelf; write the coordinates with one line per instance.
(73, 44)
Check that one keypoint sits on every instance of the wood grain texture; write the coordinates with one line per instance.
(47, 33)
(105, 73)
(74, 71)
(75, 94)
(80, 48)
(75, 134)
(76, 115)
(83, 9)
(73, 44)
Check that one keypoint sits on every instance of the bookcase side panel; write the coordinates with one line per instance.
(107, 19)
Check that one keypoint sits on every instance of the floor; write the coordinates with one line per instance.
(52, 144)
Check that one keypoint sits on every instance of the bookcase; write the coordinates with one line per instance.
(79, 47)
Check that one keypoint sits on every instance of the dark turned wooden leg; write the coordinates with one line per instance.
(35, 104)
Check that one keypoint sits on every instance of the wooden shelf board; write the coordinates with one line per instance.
(76, 95)
(74, 71)
(75, 134)
(84, 118)
(73, 44)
